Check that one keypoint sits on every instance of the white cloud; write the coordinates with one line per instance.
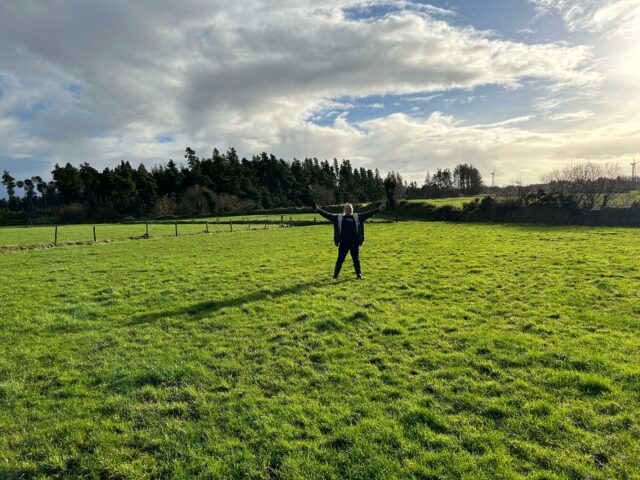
(417, 145)
(401, 5)
(572, 116)
(611, 17)
(509, 121)
(424, 98)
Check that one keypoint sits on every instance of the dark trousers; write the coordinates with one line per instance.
(343, 249)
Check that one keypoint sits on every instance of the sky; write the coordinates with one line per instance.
(519, 87)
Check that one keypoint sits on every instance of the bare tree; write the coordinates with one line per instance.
(323, 195)
(591, 184)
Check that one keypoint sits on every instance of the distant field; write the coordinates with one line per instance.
(624, 200)
(456, 202)
(616, 201)
(469, 351)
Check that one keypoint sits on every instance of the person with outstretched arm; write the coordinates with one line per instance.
(348, 233)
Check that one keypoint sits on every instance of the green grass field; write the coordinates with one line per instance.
(35, 235)
(277, 217)
(469, 351)
(45, 235)
(456, 202)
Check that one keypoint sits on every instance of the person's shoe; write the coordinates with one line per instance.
(359, 277)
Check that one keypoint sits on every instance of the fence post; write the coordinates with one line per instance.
(314, 219)
(94, 234)
(230, 226)
(55, 239)
(146, 234)
(282, 220)
(176, 229)
(265, 224)
(206, 226)
(290, 220)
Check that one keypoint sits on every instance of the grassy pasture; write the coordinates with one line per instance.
(308, 217)
(455, 202)
(35, 235)
(275, 217)
(469, 351)
(84, 233)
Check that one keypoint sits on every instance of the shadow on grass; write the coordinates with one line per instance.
(200, 310)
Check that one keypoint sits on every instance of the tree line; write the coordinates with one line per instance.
(201, 185)
(464, 179)
(224, 183)
(219, 183)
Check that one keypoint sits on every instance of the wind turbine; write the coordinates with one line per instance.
(633, 168)
(493, 178)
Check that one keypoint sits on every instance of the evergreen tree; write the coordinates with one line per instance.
(68, 182)
(10, 184)
(394, 188)
(467, 179)
(146, 187)
(222, 181)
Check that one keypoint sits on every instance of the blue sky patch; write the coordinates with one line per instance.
(24, 114)
(165, 139)
(2, 85)
(39, 106)
(481, 105)
(509, 19)
(75, 89)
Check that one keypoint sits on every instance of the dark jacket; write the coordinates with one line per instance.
(360, 218)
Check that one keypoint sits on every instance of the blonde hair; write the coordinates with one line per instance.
(347, 206)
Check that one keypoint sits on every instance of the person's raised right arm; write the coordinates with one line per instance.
(329, 216)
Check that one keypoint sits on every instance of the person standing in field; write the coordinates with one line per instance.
(348, 234)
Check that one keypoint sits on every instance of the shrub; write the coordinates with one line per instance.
(164, 207)
(231, 203)
(197, 200)
(71, 213)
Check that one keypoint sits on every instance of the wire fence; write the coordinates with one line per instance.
(46, 236)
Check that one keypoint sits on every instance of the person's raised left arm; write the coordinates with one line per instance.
(366, 215)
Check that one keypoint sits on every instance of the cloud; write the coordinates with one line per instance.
(510, 121)
(363, 7)
(424, 98)
(572, 116)
(611, 17)
(417, 145)
(123, 78)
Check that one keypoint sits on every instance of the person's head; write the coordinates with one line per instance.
(347, 209)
